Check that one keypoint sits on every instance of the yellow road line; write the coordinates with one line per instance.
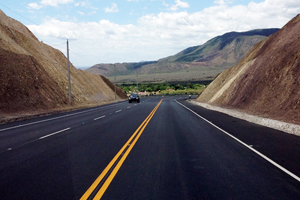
(139, 131)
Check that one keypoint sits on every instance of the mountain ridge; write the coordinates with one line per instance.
(224, 40)
(218, 53)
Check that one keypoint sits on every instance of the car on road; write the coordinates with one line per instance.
(134, 97)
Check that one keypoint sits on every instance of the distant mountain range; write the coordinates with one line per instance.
(194, 63)
(228, 47)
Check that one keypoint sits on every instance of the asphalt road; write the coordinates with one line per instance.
(161, 148)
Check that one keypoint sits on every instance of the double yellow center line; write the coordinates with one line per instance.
(115, 164)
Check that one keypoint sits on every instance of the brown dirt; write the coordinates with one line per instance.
(33, 76)
(267, 81)
(25, 86)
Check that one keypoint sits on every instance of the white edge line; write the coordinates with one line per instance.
(99, 117)
(54, 118)
(252, 149)
(54, 133)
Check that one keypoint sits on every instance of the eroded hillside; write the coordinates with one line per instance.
(266, 81)
(33, 75)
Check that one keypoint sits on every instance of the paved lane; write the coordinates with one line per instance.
(180, 156)
(281, 147)
(20, 133)
(177, 156)
(65, 164)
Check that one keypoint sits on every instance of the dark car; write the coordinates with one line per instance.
(134, 97)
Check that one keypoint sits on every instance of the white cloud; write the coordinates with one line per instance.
(44, 3)
(86, 4)
(179, 4)
(82, 4)
(55, 2)
(164, 34)
(34, 6)
(112, 9)
(222, 2)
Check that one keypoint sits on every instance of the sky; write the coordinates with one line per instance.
(117, 31)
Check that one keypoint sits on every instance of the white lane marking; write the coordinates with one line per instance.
(54, 118)
(54, 133)
(129, 107)
(118, 111)
(99, 117)
(249, 147)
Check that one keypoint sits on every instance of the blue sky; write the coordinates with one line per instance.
(117, 11)
(110, 31)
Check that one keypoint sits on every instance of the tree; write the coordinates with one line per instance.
(162, 87)
(149, 89)
(126, 89)
(197, 86)
(155, 87)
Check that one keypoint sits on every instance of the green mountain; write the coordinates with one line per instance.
(201, 62)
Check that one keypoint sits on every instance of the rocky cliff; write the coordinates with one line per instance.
(266, 81)
(33, 75)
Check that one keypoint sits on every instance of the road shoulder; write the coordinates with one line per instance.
(271, 123)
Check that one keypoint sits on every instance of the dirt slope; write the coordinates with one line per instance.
(33, 75)
(266, 81)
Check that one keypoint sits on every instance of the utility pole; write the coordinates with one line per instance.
(115, 82)
(137, 82)
(69, 77)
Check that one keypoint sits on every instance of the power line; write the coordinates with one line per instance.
(54, 45)
(85, 51)
(26, 19)
(80, 56)
(18, 14)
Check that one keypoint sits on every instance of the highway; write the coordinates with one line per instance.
(161, 148)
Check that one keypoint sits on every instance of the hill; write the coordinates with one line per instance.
(222, 50)
(194, 63)
(33, 75)
(266, 81)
